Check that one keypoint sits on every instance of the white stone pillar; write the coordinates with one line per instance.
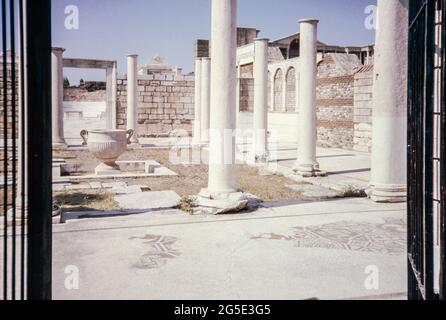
(132, 96)
(237, 97)
(261, 100)
(223, 85)
(196, 139)
(306, 164)
(389, 140)
(205, 99)
(57, 98)
(112, 76)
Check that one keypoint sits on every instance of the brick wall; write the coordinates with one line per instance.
(335, 127)
(202, 49)
(363, 101)
(9, 98)
(247, 70)
(246, 95)
(166, 103)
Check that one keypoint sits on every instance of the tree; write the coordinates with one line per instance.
(66, 82)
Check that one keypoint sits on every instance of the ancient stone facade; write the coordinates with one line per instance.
(81, 94)
(335, 100)
(165, 104)
(363, 102)
(335, 97)
(202, 49)
(246, 95)
(9, 99)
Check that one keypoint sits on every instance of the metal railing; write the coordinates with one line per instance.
(426, 149)
(26, 150)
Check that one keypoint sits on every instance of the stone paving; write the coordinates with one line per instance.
(346, 170)
(285, 250)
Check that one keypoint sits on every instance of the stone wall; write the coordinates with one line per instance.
(246, 95)
(165, 104)
(247, 70)
(335, 97)
(81, 95)
(9, 98)
(246, 36)
(363, 101)
(202, 49)
(334, 104)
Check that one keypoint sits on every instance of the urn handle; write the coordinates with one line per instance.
(84, 135)
(130, 132)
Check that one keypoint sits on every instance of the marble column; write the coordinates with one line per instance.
(132, 96)
(307, 165)
(205, 99)
(111, 75)
(389, 140)
(57, 98)
(221, 182)
(196, 136)
(261, 100)
(237, 96)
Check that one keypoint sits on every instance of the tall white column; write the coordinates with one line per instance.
(57, 97)
(237, 97)
(306, 163)
(205, 99)
(389, 140)
(196, 139)
(261, 100)
(132, 96)
(111, 74)
(223, 85)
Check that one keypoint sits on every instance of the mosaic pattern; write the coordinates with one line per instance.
(386, 238)
(161, 250)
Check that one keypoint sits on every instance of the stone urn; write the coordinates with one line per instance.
(107, 146)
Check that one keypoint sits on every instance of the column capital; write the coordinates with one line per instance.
(133, 55)
(309, 20)
(57, 50)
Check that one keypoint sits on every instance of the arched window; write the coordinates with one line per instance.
(291, 90)
(278, 90)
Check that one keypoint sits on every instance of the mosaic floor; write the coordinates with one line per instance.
(386, 238)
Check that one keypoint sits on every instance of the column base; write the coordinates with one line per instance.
(388, 193)
(59, 145)
(308, 170)
(222, 202)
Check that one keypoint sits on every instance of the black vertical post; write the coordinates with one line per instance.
(38, 19)
(429, 150)
(443, 157)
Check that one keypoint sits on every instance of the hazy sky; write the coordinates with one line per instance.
(110, 29)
